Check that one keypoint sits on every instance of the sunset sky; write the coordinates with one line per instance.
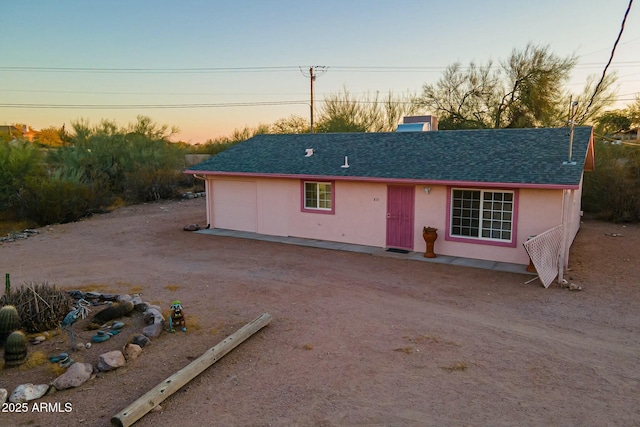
(209, 67)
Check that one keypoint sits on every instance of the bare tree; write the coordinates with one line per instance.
(343, 113)
(527, 90)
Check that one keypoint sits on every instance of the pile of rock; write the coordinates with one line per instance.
(24, 234)
(192, 195)
(78, 373)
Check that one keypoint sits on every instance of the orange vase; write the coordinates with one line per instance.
(429, 234)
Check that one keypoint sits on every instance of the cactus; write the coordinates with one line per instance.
(9, 322)
(15, 349)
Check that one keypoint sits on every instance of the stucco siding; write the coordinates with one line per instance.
(235, 205)
(273, 206)
(359, 217)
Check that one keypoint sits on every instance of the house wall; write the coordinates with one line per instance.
(360, 214)
(538, 211)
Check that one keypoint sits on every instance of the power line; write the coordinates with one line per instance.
(151, 106)
(149, 70)
(604, 71)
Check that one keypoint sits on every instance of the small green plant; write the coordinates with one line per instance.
(9, 322)
(15, 349)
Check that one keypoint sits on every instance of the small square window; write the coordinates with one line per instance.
(317, 197)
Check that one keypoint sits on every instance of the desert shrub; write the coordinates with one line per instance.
(612, 191)
(40, 306)
(19, 160)
(146, 185)
(55, 199)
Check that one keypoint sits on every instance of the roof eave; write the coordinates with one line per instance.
(389, 180)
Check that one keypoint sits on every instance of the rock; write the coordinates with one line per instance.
(124, 298)
(154, 330)
(574, 287)
(137, 299)
(111, 360)
(79, 346)
(3, 395)
(117, 325)
(142, 307)
(152, 315)
(88, 345)
(26, 392)
(76, 375)
(141, 340)
(192, 227)
(131, 352)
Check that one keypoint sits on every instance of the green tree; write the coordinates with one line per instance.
(463, 98)
(19, 160)
(50, 136)
(612, 122)
(290, 125)
(525, 91)
(343, 113)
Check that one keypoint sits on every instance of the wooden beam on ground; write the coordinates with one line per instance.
(166, 388)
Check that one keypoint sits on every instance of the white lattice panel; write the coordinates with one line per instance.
(544, 251)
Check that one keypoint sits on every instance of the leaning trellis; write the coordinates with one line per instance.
(544, 251)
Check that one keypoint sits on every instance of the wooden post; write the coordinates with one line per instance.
(166, 388)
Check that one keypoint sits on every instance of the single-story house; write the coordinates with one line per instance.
(486, 191)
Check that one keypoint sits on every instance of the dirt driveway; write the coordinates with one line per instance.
(355, 340)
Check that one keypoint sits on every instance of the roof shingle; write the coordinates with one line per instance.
(509, 156)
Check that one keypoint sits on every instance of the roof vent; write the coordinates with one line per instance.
(418, 124)
(346, 162)
(309, 152)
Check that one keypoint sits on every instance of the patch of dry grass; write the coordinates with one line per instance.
(407, 350)
(34, 360)
(216, 329)
(56, 369)
(172, 288)
(460, 366)
(308, 346)
(429, 339)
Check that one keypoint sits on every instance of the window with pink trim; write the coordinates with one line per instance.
(317, 196)
(486, 215)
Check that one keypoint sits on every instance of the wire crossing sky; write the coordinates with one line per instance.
(209, 67)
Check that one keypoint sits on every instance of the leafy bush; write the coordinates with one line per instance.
(147, 185)
(55, 199)
(18, 160)
(612, 191)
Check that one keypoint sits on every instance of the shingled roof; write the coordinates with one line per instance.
(514, 157)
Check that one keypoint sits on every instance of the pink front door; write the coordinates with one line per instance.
(400, 206)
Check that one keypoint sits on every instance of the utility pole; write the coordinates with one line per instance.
(312, 78)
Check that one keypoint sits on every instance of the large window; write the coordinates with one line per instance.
(318, 196)
(482, 214)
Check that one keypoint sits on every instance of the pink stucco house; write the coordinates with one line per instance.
(486, 191)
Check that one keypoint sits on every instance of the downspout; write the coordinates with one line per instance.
(209, 199)
(567, 223)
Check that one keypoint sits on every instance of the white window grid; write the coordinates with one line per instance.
(317, 195)
(482, 214)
